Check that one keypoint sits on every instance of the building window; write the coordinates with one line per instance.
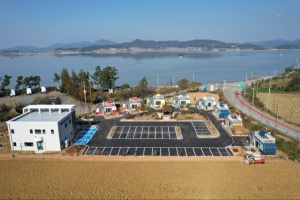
(66, 125)
(134, 106)
(31, 131)
(52, 131)
(28, 144)
(37, 131)
(44, 131)
(15, 144)
(69, 121)
(12, 131)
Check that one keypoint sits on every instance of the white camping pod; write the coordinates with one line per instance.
(12, 92)
(43, 89)
(28, 91)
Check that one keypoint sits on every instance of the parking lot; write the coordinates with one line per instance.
(200, 128)
(145, 132)
(157, 151)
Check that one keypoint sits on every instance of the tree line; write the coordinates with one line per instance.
(83, 85)
(21, 83)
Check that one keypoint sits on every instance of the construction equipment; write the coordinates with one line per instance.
(254, 159)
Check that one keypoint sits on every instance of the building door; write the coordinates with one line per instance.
(40, 146)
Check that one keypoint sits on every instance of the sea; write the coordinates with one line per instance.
(160, 68)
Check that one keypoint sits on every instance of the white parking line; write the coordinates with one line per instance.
(194, 152)
(185, 152)
(169, 151)
(227, 151)
(177, 151)
(142, 132)
(219, 152)
(94, 151)
(134, 131)
(119, 151)
(203, 152)
(102, 150)
(210, 152)
(110, 151)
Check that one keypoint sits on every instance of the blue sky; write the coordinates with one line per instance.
(44, 22)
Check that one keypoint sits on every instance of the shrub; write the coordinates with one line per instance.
(155, 152)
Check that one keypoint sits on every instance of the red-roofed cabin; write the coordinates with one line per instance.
(133, 104)
(106, 108)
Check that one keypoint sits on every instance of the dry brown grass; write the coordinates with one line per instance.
(182, 178)
(290, 105)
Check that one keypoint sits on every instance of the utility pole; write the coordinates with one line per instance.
(157, 80)
(269, 95)
(173, 80)
(277, 116)
(245, 86)
(253, 96)
(193, 76)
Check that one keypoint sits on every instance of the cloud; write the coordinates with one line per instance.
(278, 15)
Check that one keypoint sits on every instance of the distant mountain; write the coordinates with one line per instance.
(76, 45)
(206, 44)
(276, 43)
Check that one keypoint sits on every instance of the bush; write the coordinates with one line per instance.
(155, 152)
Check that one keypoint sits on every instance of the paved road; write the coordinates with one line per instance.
(264, 118)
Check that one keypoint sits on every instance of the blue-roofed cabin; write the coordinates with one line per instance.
(263, 141)
(221, 110)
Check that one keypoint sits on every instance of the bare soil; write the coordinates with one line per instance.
(194, 96)
(103, 177)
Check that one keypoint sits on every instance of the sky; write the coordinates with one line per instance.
(42, 23)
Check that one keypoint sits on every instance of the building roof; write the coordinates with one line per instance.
(263, 136)
(235, 118)
(43, 113)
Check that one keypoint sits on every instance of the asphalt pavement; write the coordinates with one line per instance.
(237, 101)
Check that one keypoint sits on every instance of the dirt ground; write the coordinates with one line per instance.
(194, 96)
(104, 177)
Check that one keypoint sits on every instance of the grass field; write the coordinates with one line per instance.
(179, 179)
(290, 105)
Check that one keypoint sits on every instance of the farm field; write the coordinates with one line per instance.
(290, 105)
(146, 178)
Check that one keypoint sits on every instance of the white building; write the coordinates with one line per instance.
(43, 128)
(106, 108)
(157, 101)
(133, 104)
(208, 102)
(181, 100)
(263, 141)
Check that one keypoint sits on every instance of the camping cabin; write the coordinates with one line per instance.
(221, 110)
(208, 102)
(263, 141)
(181, 100)
(132, 104)
(235, 122)
(106, 108)
(157, 101)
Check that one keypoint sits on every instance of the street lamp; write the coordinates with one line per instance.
(277, 116)
(224, 85)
